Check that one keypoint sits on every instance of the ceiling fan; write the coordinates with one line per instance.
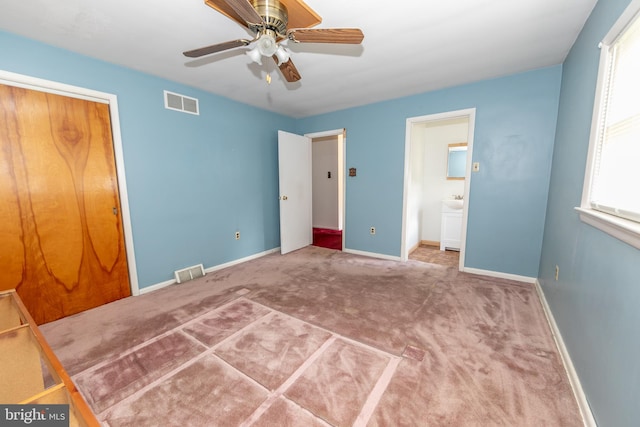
(274, 21)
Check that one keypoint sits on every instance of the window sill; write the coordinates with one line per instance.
(620, 228)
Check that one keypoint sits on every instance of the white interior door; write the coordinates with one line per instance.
(294, 158)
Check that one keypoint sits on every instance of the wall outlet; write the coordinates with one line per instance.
(237, 235)
(557, 272)
(372, 230)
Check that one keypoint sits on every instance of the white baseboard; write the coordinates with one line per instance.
(155, 287)
(241, 260)
(574, 380)
(161, 285)
(372, 255)
(414, 247)
(500, 275)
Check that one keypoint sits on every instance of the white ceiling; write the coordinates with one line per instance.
(410, 46)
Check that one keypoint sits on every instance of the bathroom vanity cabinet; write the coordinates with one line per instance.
(451, 225)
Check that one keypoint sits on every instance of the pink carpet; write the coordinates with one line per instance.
(321, 338)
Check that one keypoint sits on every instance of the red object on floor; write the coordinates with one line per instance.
(325, 238)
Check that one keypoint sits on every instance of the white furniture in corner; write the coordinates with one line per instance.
(451, 225)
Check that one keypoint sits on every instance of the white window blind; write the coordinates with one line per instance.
(615, 183)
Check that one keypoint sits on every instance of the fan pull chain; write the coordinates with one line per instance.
(268, 78)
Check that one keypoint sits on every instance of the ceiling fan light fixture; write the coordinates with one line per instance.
(255, 55)
(268, 20)
(282, 54)
(267, 44)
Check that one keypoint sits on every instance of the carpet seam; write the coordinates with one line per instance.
(274, 395)
(344, 338)
(372, 401)
(209, 351)
(375, 396)
(137, 347)
(154, 383)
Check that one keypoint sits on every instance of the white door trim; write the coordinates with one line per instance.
(470, 113)
(42, 85)
(342, 134)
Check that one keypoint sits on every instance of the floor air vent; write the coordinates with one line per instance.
(175, 101)
(189, 273)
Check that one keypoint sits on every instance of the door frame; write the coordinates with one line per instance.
(43, 85)
(342, 141)
(470, 114)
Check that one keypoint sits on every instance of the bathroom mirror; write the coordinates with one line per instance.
(457, 160)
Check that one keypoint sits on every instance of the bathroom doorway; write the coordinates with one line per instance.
(435, 207)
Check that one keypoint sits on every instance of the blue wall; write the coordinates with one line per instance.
(192, 180)
(514, 136)
(597, 298)
(227, 171)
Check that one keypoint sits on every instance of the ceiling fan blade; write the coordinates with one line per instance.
(207, 50)
(288, 70)
(246, 11)
(326, 35)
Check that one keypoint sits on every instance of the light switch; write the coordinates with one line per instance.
(476, 166)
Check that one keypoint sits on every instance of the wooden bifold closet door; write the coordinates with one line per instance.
(62, 243)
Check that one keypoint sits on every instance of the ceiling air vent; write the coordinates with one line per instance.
(189, 273)
(175, 101)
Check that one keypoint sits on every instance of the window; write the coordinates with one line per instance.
(611, 194)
